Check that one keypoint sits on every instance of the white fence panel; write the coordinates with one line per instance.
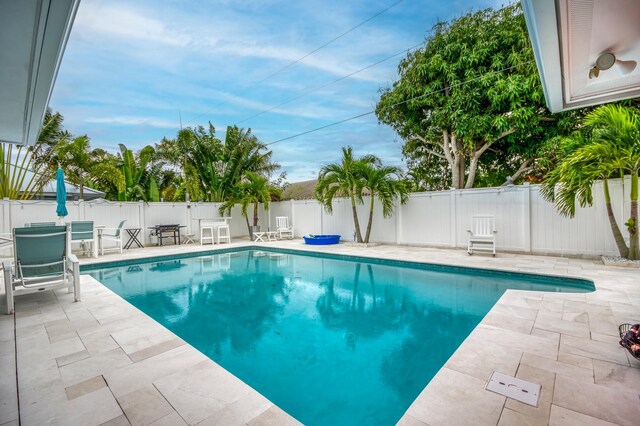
(282, 208)
(383, 230)
(307, 218)
(341, 221)
(505, 205)
(426, 218)
(524, 220)
(588, 233)
(110, 214)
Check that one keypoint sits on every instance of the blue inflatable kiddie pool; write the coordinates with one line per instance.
(321, 240)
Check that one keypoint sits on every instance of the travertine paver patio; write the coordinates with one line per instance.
(101, 360)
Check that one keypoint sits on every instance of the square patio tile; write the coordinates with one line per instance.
(200, 391)
(612, 405)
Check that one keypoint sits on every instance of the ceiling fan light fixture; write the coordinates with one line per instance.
(605, 61)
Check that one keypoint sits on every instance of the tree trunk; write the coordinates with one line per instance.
(455, 173)
(366, 237)
(473, 167)
(462, 165)
(355, 218)
(255, 214)
(246, 218)
(632, 224)
(81, 191)
(356, 280)
(373, 286)
(524, 168)
(615, 229)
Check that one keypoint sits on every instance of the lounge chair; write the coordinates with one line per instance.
(283, 228)
(115, 236)
(36, 224)
(482, 235)
(41, 262)
(82, 232)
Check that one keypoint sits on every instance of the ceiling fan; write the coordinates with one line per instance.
(608, 60)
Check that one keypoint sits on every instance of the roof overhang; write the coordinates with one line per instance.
(568, 36)
(33, 36)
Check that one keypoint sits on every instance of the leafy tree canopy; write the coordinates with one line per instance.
(470, 104)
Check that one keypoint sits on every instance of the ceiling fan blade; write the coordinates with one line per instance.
(625, 67)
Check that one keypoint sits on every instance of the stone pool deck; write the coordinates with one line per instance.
(101, 361)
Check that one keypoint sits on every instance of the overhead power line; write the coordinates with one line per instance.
(308, 92)
(311, 53)
(398, 103)
(329, 42)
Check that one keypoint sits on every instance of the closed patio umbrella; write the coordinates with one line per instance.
(61, 195)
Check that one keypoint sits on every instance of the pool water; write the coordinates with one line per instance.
(331, 341)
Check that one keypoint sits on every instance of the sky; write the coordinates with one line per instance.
(134, 72)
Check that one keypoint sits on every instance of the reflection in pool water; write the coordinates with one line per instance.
(330, 341)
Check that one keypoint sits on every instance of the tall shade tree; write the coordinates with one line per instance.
(613, 150)
(385, 184)
(252, 191)
(343, 179)
(470, 101)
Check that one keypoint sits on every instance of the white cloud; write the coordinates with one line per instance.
(134, 121)
(110, 23)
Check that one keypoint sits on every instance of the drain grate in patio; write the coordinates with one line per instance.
(520, 390)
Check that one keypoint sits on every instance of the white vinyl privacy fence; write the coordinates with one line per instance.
(524, 220)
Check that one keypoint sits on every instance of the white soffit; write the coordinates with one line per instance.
(33, 36)
(569, 35)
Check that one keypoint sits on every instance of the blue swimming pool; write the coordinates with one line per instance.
(332, 340)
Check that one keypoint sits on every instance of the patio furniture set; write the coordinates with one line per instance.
(214, 230)
(283, 230)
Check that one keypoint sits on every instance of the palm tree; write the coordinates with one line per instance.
(343, 179)
(75, 159)
(212, 168)
(384, 183)
(612, 151)
(84, 166)
(15, 182)
(618, 128)
(571, 184)
(253, 190)
(140, 173)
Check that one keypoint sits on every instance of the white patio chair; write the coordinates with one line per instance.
(83, 233)
(283, 228)
(41, 261)
(207, 232)
(482, 235)
(222, 232)
(115, 237)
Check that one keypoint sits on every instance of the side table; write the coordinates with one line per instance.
(133, 238)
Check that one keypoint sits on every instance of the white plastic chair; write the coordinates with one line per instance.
(115, 237)
(83, 233)
(207, 232)
(222, 231)
(283, 228)
(482, 235)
